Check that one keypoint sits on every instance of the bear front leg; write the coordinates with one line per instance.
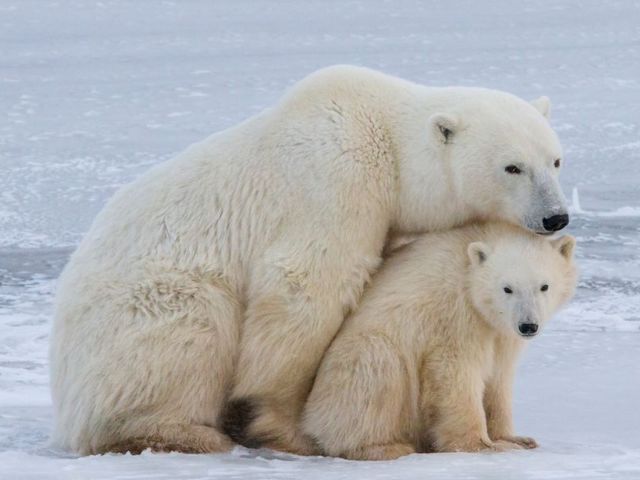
(297, 299)
(460, 425)
(498, 399)
(283, 341)
(499, 417)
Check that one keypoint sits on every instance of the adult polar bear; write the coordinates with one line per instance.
(272, 228)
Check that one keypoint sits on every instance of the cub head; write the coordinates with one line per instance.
(497, 158)
(517, 284)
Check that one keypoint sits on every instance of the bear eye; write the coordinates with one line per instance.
(513, 170)
(507, 290)
(557, 163)
(544, 288)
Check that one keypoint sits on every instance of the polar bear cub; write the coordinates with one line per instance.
(427, 361)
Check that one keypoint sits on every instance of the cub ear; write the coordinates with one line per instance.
(478, 253)
(444, 125)
(543, 105)
(565, 245)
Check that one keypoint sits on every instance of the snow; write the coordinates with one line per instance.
(95, 92)
(584, 417)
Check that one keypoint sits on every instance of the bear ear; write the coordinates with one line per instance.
(478, 253)
(444, 125)
(543, 105)
(565, 245)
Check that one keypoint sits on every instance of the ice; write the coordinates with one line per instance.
(94, 93)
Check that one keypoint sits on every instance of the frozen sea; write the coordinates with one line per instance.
(93, 93)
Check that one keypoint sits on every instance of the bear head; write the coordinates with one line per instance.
(498, 158)
(517, 283)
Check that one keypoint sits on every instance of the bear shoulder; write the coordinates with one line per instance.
(344, 82)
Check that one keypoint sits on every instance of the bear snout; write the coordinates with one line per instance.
(528, 329)
(555, 222)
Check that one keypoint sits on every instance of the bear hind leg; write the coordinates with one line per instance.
(389, 451)
(172, 399)
(182, 438)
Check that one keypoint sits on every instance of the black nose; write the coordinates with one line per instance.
(555, 223)
(528, 328)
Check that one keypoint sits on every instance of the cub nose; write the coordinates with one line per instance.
(555, 223)
(528, 329)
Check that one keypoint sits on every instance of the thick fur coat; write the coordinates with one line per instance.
(217, 280)
(427, 361)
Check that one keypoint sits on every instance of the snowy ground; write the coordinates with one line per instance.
(93, 93)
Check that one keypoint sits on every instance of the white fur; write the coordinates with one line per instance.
(273, 228)
(427, 361)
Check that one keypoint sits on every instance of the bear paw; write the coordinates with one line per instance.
(521, 442)
(485, 445)
(380, 452)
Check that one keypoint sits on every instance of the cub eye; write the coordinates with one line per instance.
(507, 290)
(557, 163)
(513, 170)
(544, 288)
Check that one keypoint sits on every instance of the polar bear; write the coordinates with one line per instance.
(427, 361)
(272, 228)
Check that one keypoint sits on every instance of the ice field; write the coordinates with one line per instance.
(93, 93)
